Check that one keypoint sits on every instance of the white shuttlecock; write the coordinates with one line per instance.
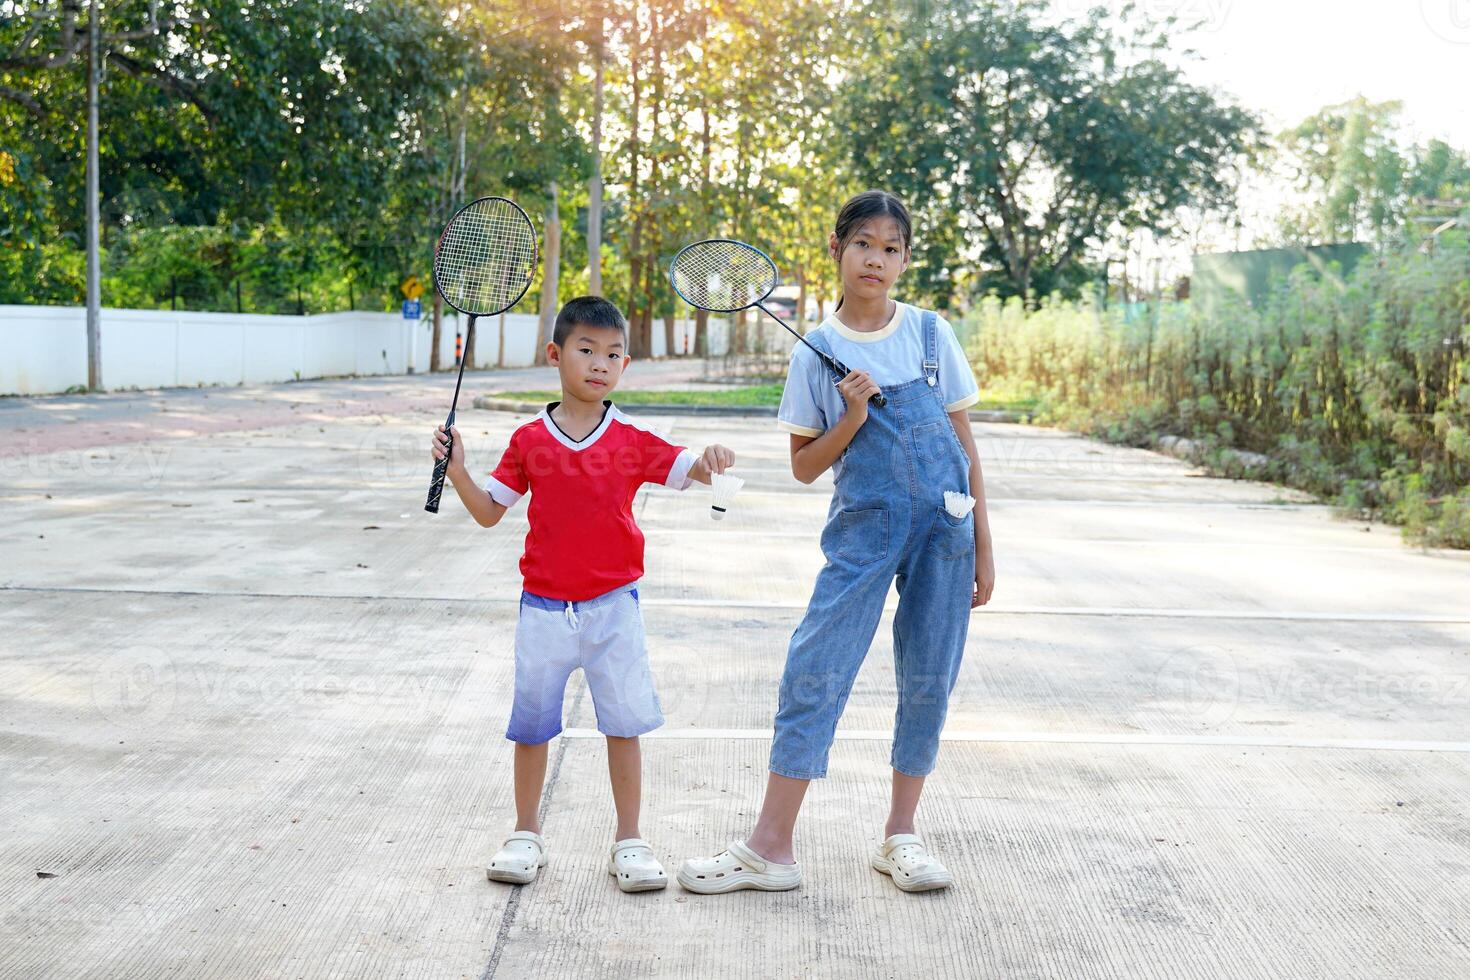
(958, 504)
(725, 487)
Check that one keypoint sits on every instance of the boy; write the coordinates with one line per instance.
(582, 460)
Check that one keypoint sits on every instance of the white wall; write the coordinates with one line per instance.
(43, 349)
(520, 338)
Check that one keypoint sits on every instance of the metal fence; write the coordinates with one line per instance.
(758, 351)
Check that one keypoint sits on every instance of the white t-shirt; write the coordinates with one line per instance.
(811, 403)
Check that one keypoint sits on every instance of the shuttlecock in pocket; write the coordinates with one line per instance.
(958, 504)
(725, 487)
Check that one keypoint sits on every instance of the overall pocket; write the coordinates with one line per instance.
(954, 537)
(862, 535)
(935, 442)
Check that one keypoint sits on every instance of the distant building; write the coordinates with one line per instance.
(1226, 278)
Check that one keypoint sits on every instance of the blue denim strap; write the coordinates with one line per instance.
(931, 348)
(819, 342)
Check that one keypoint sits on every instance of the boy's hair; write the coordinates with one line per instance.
(588, 311)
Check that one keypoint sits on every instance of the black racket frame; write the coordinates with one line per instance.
(441, 467)
(836, 366)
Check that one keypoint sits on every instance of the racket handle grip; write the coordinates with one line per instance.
(436, 486)
(841, 370)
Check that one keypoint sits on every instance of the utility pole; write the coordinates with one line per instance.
(94, 264)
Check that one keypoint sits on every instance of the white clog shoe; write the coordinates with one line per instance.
(519, 858)
(735, 868)
(636, 869)
(905, 859)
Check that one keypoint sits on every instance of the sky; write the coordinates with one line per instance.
(1288, 58)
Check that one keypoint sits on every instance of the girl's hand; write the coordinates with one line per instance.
(856, 389)
(714, 459)
(456, 455)
(984, 578)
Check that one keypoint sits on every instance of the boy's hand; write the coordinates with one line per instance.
(456, 454)
(715, 459)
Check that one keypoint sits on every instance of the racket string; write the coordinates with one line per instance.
(723, 275)
(486, 257)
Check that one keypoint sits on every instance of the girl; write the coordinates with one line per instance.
(888, 518)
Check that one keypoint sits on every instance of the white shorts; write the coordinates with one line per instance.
(603, 636)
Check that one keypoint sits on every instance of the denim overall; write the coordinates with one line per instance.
(887, 520)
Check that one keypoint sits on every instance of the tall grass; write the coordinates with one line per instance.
(1358, 392)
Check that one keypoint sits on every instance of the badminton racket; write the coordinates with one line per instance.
(483, 265)
(722, 275)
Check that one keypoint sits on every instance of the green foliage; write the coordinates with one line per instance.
(1031, 139)
(288, 155)
(260, 270)
(274, 110)
(1359, 179)
(1359, 393)
(47, 273)
(724, 112)
(303, 127)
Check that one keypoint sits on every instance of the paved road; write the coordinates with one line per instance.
(33, 425)
(252, 701)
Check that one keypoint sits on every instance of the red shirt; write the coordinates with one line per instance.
(583, 540)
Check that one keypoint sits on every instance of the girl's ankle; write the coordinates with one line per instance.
(775, 851)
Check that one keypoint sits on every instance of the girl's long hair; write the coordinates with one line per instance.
(858, 210)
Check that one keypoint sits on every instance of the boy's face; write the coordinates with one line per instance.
(590, 362)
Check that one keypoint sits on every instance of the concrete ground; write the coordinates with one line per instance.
(253, 697)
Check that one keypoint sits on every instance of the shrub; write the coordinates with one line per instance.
(1357, 392)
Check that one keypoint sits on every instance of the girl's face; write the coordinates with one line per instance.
(872, 259)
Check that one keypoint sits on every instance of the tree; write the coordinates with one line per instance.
(1358, 180)
(280, 114)
(597, 54)
(501, 129)
(722, 136)
(1437, 169)
(1028, 141)
(1347, 161)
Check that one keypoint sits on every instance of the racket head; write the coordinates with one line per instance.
(722, 275)
(486, 257)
